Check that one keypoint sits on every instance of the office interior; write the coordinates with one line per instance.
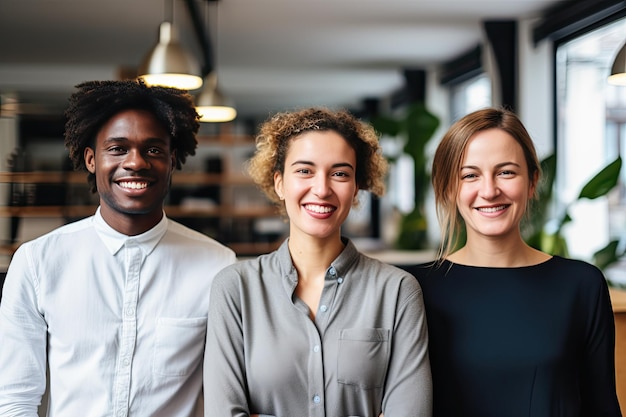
(549, 64)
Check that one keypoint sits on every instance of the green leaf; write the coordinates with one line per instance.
(554, 244)
(607, 255)
(419, 125)
(385, 125)
(539, 213)
(603, 182)
(413, 231)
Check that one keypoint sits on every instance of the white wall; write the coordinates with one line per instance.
(536, 89)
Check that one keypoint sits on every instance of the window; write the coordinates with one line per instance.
(591, 126)
(470, 95)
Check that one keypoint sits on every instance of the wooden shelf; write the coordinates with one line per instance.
(221, 211)
(80, 178)
(8, 249)
(172, 211)
(618, 299)
(44, 177)
(46, 211)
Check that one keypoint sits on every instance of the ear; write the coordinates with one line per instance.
(355, 197)
(278, 185)
(90, 159)
(173, 157)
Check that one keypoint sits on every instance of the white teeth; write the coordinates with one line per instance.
(491, 209)
(133, 185)
(318, 209)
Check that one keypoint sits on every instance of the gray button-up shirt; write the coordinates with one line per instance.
(365, 353)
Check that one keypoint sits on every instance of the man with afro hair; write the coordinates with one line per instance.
(108, 314)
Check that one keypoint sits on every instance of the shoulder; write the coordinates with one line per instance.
(423, 269)
(54, 239)
(366, 262)
(427, 271)
(585, 282)
(386, 274)
(248, 278)
(249, 269)
(574, 270)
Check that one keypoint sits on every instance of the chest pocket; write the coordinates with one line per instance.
(179, 345)
(363, 357)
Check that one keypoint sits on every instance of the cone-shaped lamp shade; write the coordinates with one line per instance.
(618, 70)
(169, 65)
(211, 105)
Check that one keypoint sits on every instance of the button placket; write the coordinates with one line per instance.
(129, 328)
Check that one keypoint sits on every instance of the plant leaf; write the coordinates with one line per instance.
(539, 213)
(607, 255)
(386, 125)
(420, 125)
(603, 182)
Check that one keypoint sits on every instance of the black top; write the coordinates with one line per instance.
(534, 341)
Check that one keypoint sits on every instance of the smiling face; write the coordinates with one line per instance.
(318, 184)
(133, 163)
(494, 186)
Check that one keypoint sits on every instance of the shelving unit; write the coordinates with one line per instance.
(224, 204)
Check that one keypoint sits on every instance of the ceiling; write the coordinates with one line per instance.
(269, 55)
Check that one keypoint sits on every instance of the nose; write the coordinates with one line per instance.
(489, 188)
(321, 186)
(135, 160)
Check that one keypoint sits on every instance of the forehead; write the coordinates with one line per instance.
(320, 144)
(492, 145)
(134, 124)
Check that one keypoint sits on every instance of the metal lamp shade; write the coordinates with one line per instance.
(169, 65)
(211, 105)
(618, 70)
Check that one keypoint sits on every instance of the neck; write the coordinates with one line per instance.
(128, 224)
(498, 253)
(313, 256)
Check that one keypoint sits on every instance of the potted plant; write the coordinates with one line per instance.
(552, 241)
(416, 126)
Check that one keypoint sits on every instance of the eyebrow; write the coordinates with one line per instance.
(500, 165)
(337, 165)
(149, 141)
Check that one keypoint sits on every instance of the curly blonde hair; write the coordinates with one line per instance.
(276, 133)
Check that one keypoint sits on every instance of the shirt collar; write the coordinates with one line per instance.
(115, 240)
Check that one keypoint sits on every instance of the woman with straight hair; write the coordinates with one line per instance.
(513, 331)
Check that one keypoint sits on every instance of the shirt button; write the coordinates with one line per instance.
(340, 280)
(323, 308)
(130, 312)
(126, 362)
(316, 348)
(316, 399)
(332, 271)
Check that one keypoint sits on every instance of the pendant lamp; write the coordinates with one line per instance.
(168, 64)
(211, 105)
(618, 70)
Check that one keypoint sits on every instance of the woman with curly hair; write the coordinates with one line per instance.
(316, 328)
(113, 306)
